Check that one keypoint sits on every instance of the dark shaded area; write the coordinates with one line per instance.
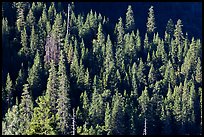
(189, 12)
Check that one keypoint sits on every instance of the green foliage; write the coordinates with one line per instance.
(119, 81)
(24, 51)
(9, 91)
(11, 122)
(130, 22)
(52, 88)
(25, 109)
(63, 101)
(35, 75)
(178, 34)
(43, 119)
(117, 121)
(151, 21)
(170, 27)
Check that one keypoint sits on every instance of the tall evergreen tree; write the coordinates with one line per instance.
(35, 75)
(52, 88)
(108, 119)
(130, 22)
(119, 55)
(117, 121)
(178, 34)
(25, 109)
(151, 21)
(43, 118)
(12, 121)
(24, 51)
(170, 27)
(9, 92)
(63, 101)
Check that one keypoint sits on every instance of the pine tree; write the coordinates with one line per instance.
(24, 51)
(119, 55)
(170, 27)
(63, 101)
(51, 13)
(198, 76)
(108, 61)
(43, 118)
(87, 80)
(134, 91)
(138, 42)
(20, 80)
(30, 19)
(144, 102)
(130, 22)
(117, 127)
(86, 104)
(151, 21)
(35, 75)
(41, 37)
(107, 119)
(178, 34)
(152, 76)
(25, 109)
(12, 121)
(177, 108)
(192, 109)
(33, 42)
(140, 73)
(166, 120)
(9, 92)
(20, 19)
(52, 88)
(146, 45)
(96, 110)
(5, 32)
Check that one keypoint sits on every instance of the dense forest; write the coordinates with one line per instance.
(67, 73)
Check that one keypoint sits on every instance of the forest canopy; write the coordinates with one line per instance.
(78, 74)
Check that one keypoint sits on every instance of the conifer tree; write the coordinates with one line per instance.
(109, 60)
(151, 76)
(198, 76)
(25, 109)
(43, 118)
(117, 123)
(151, 21)
(130, 22)
(9, 92)
(134, 91)
(24, 51)
(119, 55)
(85, 104)
(177, 108)
(170, 27)
(140, 73)
(178, 34)
(35, 75)
(63, 101)
(33, 42)
(107, 119)
(20, 19)
(52, 88)
(12, 121)
(96, 110)
(144, 101)
(30, 19)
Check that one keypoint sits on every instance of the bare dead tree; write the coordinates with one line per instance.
(52, 50)
(73, 123)
(145, 127)
(68, 17)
